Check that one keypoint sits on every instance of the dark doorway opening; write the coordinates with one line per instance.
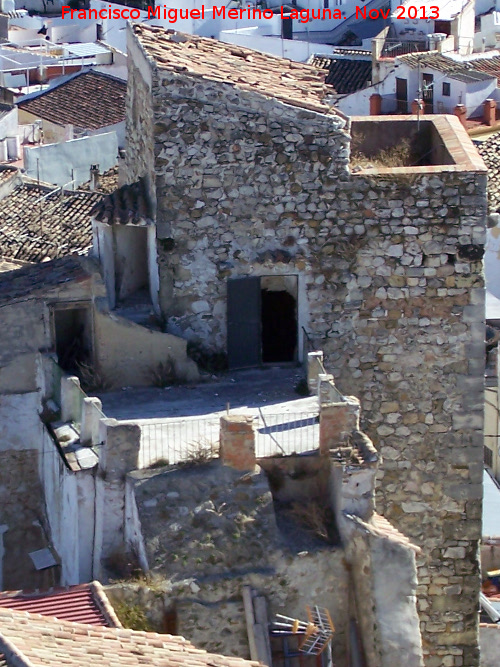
(262, 320)
(401, 95)
(428, 92)
(73, 337)
(279, 326)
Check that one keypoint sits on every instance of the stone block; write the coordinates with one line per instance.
(336, 422)
(120, 451)
(314, 369)
(91, 415)
(71, 399)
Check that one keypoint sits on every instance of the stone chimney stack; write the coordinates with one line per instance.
(460, 111)
(489, 112)
(94, 177)
(375, 104)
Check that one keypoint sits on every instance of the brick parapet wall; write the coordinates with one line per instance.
(237, 441)
(390, 277)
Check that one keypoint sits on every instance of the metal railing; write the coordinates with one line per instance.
(175, 440)
(289, 433)
(398, 47)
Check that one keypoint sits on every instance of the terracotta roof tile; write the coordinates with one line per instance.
(88, 100)
(86, 603)
(346, 75)
(130, 204)
(7, 173)
(461, 71)
(28, 280)
(41, 641)
(294, 83)
(108, 182)
(489, 66)
(36, 223)
(379, 526)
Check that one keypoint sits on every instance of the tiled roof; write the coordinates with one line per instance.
(346, 51)
(6, 173)
(88, 100)
(380, 527)
(346, 75)
(33, 278)
(39, 641)
(489, 150)
(86, 603)
(461, 71)
(108, 182)
(36, 223)
(294, 83)
(130, 204)
(489, 66)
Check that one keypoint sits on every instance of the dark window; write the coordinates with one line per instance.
(446, 89)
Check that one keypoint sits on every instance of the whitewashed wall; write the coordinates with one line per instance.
(20, 425)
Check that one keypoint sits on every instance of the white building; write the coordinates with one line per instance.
(415, 21)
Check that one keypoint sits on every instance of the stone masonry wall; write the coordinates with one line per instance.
(231, 192)
(208, 531)
(139, 159)
(412, 349)
(390, 281)
(22, 517)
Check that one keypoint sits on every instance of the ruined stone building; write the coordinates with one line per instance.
(276, 216)
(241, 537)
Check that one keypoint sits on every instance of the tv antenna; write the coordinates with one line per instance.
(318, 630)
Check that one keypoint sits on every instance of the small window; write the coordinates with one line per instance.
(446, 89)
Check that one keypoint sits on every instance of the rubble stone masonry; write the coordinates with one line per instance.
(389, 280)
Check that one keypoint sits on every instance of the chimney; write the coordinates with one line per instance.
(94, 177)
(417, 106)
(375, 104)
(489, 112)
(460, 111)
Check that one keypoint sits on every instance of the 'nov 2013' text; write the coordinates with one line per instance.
(172, 14)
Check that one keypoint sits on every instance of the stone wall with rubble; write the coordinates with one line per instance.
(23, 526)
(208, 531)
(411, 346)
(389, 283)
(139, 157)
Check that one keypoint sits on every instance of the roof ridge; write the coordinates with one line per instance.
(104, 604)
(54, 621)
(15, 658)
